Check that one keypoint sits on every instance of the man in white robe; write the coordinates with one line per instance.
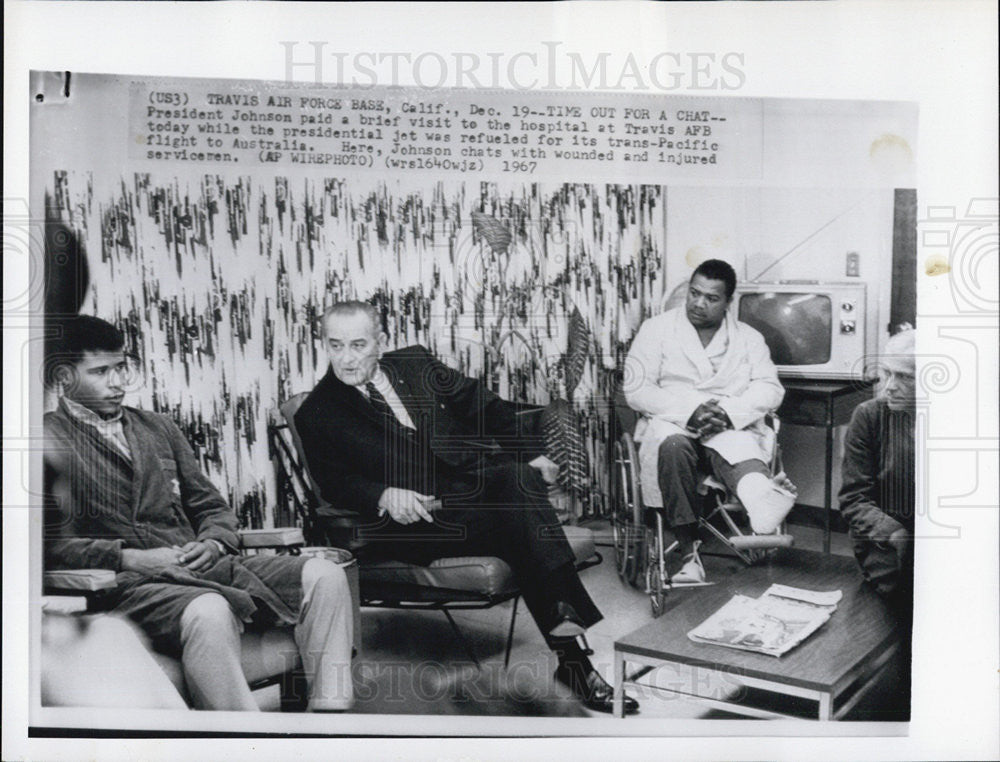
(704, 382)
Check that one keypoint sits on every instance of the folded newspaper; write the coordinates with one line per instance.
(773, 624)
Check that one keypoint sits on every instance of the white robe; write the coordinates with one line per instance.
(668, 374)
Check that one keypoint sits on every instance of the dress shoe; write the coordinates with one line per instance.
(592, 689)
(567, 622)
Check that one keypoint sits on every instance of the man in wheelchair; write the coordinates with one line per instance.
(705, 383)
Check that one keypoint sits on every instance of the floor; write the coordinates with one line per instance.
(412, 663)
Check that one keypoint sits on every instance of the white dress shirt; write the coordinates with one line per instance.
(385, 388)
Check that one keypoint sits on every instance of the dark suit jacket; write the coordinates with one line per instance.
(877, 492)
(354, 453)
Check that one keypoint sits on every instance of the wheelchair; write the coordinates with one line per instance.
(638, 536)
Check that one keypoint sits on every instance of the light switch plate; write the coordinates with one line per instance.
(853, 269)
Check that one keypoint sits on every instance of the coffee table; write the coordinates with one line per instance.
(835, 666)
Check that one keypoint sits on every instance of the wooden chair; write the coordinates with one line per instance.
(445, 585)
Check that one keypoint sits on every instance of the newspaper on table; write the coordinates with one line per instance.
(773, 624)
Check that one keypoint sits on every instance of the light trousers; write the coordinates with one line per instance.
(210, 642)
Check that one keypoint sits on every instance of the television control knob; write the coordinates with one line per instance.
(847, 306)
(847, 326)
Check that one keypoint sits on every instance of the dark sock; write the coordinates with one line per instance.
(686, 535)
(569, 652)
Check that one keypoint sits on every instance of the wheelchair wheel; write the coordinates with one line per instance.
(655, 584)
(628, 531)
(656, 603)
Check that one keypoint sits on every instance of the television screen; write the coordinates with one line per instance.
(798, 328)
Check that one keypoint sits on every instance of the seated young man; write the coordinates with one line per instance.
(704, 383)
(124, 492)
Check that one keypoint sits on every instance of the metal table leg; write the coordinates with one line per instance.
(618, 705)
(828, 478)
(826, 707)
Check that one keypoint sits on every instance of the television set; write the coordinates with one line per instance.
(814, 330)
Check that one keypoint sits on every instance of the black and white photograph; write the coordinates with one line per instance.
(536, 389)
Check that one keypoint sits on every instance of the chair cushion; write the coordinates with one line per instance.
(89, 580)
(484, 575)
(277, 537)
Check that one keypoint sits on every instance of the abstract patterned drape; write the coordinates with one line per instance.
(219, 281)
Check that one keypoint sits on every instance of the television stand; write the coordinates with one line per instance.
(826, 404)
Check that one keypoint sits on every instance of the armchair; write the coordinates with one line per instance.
(268, 657)
(445, 585)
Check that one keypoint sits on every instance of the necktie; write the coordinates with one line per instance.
(378, 401)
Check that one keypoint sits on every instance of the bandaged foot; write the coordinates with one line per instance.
(693, 571)
(785, 483)
(766, 500)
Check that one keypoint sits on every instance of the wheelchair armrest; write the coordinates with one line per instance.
(83, 580)
(279, 537)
